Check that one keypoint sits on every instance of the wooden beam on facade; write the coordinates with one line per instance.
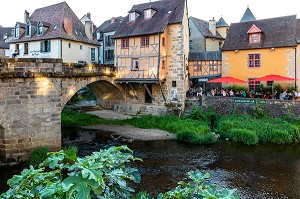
(148, 91)
(162, 92)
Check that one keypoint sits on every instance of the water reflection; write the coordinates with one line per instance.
(266, 171)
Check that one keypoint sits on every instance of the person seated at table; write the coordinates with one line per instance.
(224, 94)
(189, 92)
(276, 94)
(284, 95)
(212, 92)
(243, 93)
(252, 94)
(231, 93)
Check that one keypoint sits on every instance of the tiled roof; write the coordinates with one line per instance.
(53, 16)
(167, 12)
(205, 56)
(276, 32)
(108, 26)
(222, 23)
(203, 27)
(248, 16)
(3, 32)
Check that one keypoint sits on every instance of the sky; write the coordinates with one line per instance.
(102, 10)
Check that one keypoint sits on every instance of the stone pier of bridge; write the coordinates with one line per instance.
(33, 93)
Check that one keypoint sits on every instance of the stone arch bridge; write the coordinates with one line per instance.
(33, 93)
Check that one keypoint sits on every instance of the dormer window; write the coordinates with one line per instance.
(132, 16)
(148, 13)
(254, 34)
(17, 31)
(40, 29)
(28, 29)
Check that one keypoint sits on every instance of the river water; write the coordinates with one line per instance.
(265, 171)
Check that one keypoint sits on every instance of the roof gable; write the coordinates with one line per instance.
(254, 29)
(167, 12)
(276, 32)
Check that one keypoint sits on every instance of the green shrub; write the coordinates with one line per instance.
(199, 135)
(259, 112)
(242, 135)
(198, 186)
(38, 155)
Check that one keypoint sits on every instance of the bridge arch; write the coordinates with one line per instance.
(106, 91)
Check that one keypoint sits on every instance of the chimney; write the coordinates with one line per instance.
(26, 16)
(212, 26)
(89, 29)
(88, 15)
(68, 25)
(113, 20)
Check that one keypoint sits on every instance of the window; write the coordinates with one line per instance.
(25, 48)
(28, 29)
(131, 16)
(17, 47)
(46, 46)
(145, 41)
(40, 29)
(80, 47)
(173, 84)
(109, 55)
(93, 54)
(17, 31)
(254, 60)
(135, 64)
(108, 40)
(147, 13)
(125, 43)
(191, 44)
(163, 64)
(163, 41)
(254, 38)
(253, 85)
(69, 45)
(269, 83)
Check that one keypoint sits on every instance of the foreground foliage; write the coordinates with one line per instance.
(102, 175)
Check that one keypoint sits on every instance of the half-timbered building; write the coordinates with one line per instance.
(151, 52)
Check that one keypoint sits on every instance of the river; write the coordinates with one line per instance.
(264, 171)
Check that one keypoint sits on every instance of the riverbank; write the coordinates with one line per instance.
(134, 133)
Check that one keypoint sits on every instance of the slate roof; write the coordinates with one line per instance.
(276, 32)
(203, 27)
(222, 23)
(248, 16)
(108, 26)
(205, 56)
(167, 12)
(53, 16)
(4, 31)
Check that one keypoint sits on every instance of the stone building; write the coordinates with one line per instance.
(255, 48)
(151, 52)
(55, 32)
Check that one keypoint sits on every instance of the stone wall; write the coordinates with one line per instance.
(274, 108)
(140, 109)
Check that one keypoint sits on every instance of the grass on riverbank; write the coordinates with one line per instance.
(187, 130)
(251, 131)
